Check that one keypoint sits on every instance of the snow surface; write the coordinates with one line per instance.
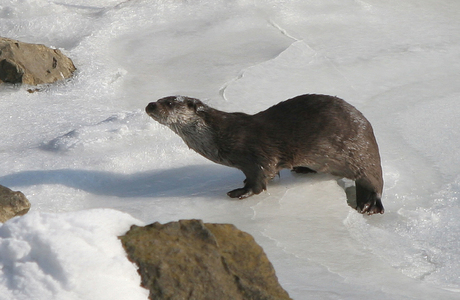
(92, 163)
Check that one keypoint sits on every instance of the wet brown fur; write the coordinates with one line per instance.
(316, 133)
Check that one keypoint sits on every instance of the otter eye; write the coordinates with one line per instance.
(169, 103)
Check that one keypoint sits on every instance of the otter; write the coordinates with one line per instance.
(308, 133)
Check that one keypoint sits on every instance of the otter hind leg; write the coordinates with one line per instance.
(303, 170)
(367, 200)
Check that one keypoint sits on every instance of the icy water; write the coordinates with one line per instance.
(92, 162)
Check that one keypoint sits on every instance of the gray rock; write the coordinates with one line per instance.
(32, 64)
(12, 204)
(193, 260)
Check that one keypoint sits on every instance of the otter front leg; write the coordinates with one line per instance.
(241, 193)
(254, 184)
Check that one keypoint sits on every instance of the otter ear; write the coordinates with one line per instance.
(195, 104)
(191, 104)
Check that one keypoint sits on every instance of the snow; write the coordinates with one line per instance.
(92, 163)
(73, 255)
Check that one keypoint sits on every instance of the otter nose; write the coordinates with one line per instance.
(151, 107)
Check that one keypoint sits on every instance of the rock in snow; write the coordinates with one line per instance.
(32, 63)
(190, 259)
(12, 204)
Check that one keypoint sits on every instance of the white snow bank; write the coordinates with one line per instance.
(74, 255)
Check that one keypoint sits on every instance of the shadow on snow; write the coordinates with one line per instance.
(197, 180)
(189, 181)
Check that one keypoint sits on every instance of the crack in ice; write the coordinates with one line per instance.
(282, 30)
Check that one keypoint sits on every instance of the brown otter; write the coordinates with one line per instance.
(308, 133)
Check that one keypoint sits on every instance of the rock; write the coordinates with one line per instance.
(32, 64)
(193, 260)
(12, 204)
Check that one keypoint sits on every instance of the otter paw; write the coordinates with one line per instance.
(372, 207)
(240, 193)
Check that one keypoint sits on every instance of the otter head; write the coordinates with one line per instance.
(175, 111)
(186, 117)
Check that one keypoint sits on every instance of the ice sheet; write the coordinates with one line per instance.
(86, 144)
